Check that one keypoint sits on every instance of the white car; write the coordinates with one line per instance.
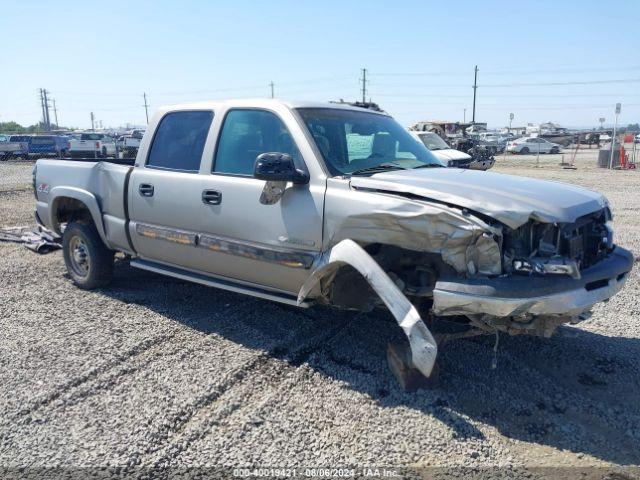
(443, 152)
(532, 145)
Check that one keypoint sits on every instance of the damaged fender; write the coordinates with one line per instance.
(347, 252)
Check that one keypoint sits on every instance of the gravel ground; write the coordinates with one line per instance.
(153, 373)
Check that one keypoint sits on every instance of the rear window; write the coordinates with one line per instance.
(91, 136)
(179, 141)
(20, 138)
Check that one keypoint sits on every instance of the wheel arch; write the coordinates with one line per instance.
(347, 252)
(68, 203)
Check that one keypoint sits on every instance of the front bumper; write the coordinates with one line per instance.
(516, 295)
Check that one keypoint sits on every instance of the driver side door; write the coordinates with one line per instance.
(244, 238)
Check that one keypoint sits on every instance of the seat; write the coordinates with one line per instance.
(384, 145)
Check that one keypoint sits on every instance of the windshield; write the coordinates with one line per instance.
(352, 141)
(433, 141)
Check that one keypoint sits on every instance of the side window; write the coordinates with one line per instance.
(245, 135)
(179, 141)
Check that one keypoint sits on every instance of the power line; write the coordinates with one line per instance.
(508, 85)
(567, 70)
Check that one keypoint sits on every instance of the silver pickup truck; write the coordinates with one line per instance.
(324, 203)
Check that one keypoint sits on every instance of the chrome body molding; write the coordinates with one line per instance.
(293, 258)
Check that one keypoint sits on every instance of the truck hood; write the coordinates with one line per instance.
(450, 154)
(509, 199)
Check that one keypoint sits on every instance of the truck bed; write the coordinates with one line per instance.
(103, 180)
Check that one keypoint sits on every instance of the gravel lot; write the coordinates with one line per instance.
(154, 373)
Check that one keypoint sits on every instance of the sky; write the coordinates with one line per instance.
(567, 62)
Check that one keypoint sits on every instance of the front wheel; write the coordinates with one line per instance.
(88, 260)
(524, 150)
(555, 150)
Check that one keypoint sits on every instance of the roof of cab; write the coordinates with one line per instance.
(262, 103)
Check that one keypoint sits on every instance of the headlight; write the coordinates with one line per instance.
(608, 239)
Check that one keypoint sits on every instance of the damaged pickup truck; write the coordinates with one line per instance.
(327, 203)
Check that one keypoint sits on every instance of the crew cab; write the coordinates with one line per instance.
(92, 144)
(306, 203)
(53, 145)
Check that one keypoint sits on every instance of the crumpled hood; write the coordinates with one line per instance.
(510, 199)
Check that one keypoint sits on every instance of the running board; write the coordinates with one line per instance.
(217, 282)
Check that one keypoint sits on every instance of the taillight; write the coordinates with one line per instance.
(97, 144)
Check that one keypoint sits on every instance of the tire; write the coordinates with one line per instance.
(555, 150)
(88, 260)
(104, 152)
(524, 150)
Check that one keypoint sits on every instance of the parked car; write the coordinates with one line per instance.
(306, 203)
(131, 143)
(92, 145)
(442, 151)
(450, 156)
(495, 139)
(532, 145)
(11, 149)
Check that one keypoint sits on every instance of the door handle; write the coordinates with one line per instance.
(211, 197)
(146, 189)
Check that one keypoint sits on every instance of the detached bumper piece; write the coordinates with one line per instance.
(550, 295)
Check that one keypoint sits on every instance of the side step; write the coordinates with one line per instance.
(217, 282)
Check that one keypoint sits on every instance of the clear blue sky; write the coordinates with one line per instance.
(420, 55)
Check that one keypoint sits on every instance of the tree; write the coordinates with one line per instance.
(11, 127)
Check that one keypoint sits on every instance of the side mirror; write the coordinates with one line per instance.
(278, 167)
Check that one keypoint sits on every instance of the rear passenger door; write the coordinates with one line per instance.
(165, 193)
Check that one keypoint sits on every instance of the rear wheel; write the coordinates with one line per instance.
(524, 150)
(88, 260)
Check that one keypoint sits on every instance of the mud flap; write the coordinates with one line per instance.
(347, 252)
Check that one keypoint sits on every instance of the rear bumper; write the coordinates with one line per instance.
(516, 295)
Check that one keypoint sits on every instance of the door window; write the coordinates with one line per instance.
(245, 135)
(179, 141)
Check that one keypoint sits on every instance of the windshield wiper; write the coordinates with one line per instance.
(383, 167)
(429, 165)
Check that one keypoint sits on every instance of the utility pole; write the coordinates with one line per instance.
(475, 87)
(93, 118)
(601, 120)
(44, 115)
(464, 115)
(364, 85)
(271, 85)
(146, 107)
(46, 109)
(613, 135)
(55, 113)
